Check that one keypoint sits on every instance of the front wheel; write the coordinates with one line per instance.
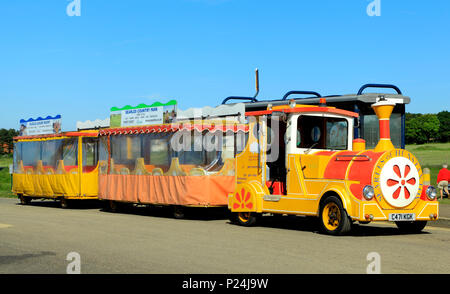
(411, 227)
(333, 217)
(246, 219)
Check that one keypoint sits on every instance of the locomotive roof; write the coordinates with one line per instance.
(314, 98)
(303, 108)
(368, 98)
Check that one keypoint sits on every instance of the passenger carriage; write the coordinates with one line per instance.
(61, 166)
(187, 163)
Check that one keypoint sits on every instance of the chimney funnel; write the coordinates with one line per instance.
(383, 110)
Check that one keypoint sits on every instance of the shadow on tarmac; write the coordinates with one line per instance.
(295, 223)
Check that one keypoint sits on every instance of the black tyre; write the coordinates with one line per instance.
(179, 212)
(246, 219)
(64, 203)
(24, 200)
(411, 227)
(113, 206)
(334, 219)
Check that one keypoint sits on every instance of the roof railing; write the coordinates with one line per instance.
(252, 99)
(301, 93)
(383, 86)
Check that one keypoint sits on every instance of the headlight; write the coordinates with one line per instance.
(431, 193)
(368, 192)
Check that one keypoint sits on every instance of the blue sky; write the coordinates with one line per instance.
(198, 52)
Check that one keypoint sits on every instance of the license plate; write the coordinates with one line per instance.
(398, 217)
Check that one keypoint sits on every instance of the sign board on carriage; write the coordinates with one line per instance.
(40, 126)
(143, 114)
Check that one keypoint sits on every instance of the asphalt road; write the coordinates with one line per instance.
(38, 238)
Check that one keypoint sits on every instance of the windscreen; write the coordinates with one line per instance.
(317, 132)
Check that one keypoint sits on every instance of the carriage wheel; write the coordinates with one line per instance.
(24, 200)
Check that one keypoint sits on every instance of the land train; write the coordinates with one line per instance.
(338, 158)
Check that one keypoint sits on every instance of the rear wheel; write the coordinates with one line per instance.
(64, 203)
(178, 212)
(24, 200)
(113, 206)
(411, 227)
(333, 217)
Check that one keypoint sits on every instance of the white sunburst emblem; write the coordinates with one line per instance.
(399, 181)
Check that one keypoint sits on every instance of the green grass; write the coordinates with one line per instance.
(432, 156)
(5, 184)
(5, 177)
(6, 160)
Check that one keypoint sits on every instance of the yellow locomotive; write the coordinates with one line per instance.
(304, 159)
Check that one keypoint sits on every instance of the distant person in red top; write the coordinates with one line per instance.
(442, 179)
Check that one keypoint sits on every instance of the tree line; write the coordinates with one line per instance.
(426, 128)
(6, 140)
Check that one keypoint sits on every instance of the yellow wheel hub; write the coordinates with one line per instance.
(244, 216)
(331, 216)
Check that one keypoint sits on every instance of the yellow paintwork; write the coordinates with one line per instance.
(305, 185)
(331, 216)
(71, 185)
(384, 144)
(359, 145)
(383, 112)
(54, 186)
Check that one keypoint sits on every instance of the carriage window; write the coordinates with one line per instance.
(31, 153)
(322, 133)
(125, 149)
(193, 153)
(49, 152)
(103, 148)
(159, 152)
(17, 157)
(68, 151)
(90, 151)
